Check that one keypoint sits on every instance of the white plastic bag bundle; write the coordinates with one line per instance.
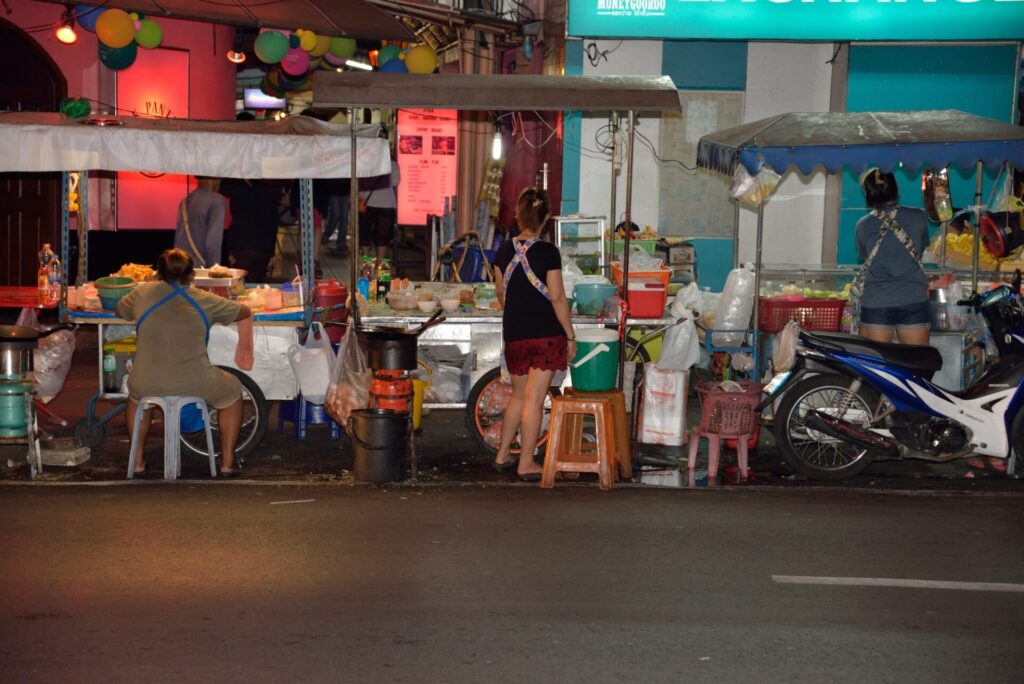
(784, 347)
(51, 359)
(571, 274)
(663, 412)
(640, 260)
(687, 303)
(312, 364)
(680, 348)
(446, 387)
(735, 307)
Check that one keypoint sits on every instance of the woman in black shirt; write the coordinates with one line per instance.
(536, 328)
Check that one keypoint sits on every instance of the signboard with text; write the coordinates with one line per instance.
(427, 158)
(156, 85)
(812, 20)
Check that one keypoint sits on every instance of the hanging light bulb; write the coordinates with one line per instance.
(65, 32)
(496, 145)
(528, 48)
(235, 55)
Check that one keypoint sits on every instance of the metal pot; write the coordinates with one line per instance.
(393, 348)
(16, 345)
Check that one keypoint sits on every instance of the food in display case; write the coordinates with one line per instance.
(138, 272)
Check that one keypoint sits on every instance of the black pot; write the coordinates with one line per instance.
(393, 348)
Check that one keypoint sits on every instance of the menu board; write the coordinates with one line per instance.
(427, 157)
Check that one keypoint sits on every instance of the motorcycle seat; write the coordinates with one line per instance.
(919, 358)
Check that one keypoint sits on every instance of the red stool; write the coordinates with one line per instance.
(724, 415)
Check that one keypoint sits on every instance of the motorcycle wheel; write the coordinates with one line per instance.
(485, 409)
(814, 454)
(254, 424)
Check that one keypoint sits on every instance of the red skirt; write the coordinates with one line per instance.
(542, 353)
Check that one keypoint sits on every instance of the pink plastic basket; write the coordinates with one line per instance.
(729, 414)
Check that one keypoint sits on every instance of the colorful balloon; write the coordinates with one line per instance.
(394, 66)
(270, 47)
(333, 61)
(295, 62)
(323, 44)
(150, 35)
(118, 58)
(294, 41)
(342, 47)
(86, 16)
(420, 59)
(115, 28)
(388, 53)
(307, 41)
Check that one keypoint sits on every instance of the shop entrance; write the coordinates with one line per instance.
(29, 202)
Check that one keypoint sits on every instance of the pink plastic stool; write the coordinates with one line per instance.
(724, 415)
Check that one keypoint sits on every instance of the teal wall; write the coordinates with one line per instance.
(979, 79)
(705, 65)
(572, 135)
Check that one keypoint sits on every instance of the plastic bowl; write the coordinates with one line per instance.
(114, 286)
(590, 297)
(449, 305)
(110, 303)
(427, 307)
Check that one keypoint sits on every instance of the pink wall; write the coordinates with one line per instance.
(211, 88)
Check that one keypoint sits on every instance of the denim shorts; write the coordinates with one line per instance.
(897, 316)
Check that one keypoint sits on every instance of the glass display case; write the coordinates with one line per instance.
(582, 239)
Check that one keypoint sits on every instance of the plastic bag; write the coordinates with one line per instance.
(687, 303)
(446, 387)
(784, 347)
(350, 384)
(51, 359)
(312, 364)
(571, 274)
(663, 411)
(640, 260)
(753, 189)
(680, 348)
(735, 307)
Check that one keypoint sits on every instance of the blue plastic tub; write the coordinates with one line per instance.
(472, 270)
(590, 297)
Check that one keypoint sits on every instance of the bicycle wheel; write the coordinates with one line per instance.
(485, 410)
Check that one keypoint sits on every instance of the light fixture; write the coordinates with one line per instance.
(65, 32)
(351, 63)
(496, 144)
(235, 55)
(528, 48)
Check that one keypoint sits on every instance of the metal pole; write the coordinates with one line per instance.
(625, 243)
(65, 230)
(736, 234)
(612, 217)
(757, 290)
(976, 227)
(353, 220)
(306, 232)
(83, 229)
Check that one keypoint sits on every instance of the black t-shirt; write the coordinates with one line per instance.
(528, 314)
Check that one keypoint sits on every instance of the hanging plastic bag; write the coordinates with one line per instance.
(687, 303)
(312, 364)
(571, 274)
(51, 359)
(640, 260)
(350, 384)
(735, 307)
(784, 347)
(753, 189)
(680, 348)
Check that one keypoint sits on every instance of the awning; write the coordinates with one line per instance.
(859, 140)
(352, 18)
(495, 92)
(295, 147)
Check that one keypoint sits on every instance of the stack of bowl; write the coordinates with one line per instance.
(112, 288)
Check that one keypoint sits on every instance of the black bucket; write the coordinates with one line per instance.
(380, 442)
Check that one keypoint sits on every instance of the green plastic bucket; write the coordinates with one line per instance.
(596, 366)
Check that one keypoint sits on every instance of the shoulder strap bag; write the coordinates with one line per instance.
(188, 234)
(889, 225)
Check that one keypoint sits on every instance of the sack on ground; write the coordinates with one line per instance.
(663, 416)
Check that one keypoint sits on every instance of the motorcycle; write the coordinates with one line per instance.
(848, 401)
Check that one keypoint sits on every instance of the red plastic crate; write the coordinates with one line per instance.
(646, 299)
(728, 413)
(824, 315)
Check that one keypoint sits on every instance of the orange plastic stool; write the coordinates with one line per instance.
(623, 441)
(566, 450)
(724, 415)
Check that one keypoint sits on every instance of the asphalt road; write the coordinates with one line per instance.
(232, 582)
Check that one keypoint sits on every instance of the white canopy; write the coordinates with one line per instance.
(294, 147)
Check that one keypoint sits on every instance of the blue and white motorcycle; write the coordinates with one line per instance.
(848, 400)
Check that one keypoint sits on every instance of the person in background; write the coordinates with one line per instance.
(334, 192)
(173, 320)
(253, 233)
(378, 225)
(536, 328)
(895, 295)
(202, 217)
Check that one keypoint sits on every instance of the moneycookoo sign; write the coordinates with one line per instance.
(903, 20)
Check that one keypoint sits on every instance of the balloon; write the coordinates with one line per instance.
(315, 62)
(270, 47)
(323, 43)
(86, 16)
(420, 59)
(75, 107)
(115, 28)
(394, 66)
(150, 35)
(295, 62)
(308, 41)
(334, 61)
(294, 41)
(388, 53)
(342, 47)
(118, 58)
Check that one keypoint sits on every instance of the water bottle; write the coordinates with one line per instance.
(383, 279)
(363, 284)
(109, 370)
(46, 255)
(54, 273)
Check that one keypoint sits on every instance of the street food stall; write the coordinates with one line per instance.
(476, 331)
(860, 140)
(296, 147)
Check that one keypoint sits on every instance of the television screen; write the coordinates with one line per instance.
(254, 98)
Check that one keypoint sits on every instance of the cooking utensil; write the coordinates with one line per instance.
(394, 348)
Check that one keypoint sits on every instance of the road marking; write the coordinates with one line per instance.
(893, 582)
(284, 503)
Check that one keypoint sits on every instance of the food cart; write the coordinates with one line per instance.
(478, 334)
(296, 147)
(859, 140)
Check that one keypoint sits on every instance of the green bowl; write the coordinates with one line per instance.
(114, 286)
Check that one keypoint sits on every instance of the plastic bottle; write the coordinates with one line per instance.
(365, 276)
(109, 370)
(383, 279)
(46, 255)
(54, 273)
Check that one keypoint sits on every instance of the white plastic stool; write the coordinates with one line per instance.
(171, 407)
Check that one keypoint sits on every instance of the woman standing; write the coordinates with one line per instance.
(172, 322)
(536, 328)
(890, 241)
